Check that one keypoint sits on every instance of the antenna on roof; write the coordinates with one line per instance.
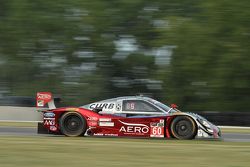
(144, 94)
(139, 94)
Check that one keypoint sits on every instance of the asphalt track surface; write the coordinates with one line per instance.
(32, 131)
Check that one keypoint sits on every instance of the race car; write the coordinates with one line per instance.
(128, 116)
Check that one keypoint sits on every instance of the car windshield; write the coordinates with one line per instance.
(162, 106)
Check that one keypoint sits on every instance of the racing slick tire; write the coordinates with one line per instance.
(72, 124)
(183, 128)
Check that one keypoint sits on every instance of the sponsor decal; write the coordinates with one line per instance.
(40, 103)
(49, 118)
(105, 119)
(102, 105)
(110, 124)
(92, 123)
(98, 134)
(49, 114)
(157, 129)
(161, 123)
(111, 134)
(49, 121)
(53, 128)
(118, 107)
(132, 124)
(199, 133)
(92, 119)
(42, 98)
(72, 109)
(132, 128)
(158, 124)
(153, 124)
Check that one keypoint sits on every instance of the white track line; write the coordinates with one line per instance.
(18, 121)
(234, 127)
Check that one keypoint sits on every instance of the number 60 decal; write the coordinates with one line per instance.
(157, 131)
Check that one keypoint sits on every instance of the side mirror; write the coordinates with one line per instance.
(174, 106)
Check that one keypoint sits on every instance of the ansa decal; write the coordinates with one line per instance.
(134, 128)
(49, 121)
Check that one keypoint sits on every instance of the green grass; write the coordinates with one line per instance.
(233, 130)
(107, 152)
(19, 124)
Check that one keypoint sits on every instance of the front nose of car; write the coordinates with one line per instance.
(216, 132)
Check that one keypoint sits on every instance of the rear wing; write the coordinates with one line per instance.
(44, 100)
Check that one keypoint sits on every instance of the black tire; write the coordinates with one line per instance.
(72, 124)
(183, 128)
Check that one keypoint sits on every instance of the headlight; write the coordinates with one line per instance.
(205, 124)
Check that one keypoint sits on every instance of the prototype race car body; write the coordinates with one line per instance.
(129, 116)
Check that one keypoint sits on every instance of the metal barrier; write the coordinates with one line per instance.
(19, 114)
(227, 118)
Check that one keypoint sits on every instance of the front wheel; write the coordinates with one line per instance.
(183, 128)
(72, 124)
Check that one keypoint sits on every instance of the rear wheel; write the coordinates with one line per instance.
(183, 127)
(73, 124)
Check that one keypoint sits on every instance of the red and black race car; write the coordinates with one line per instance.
(129, 116)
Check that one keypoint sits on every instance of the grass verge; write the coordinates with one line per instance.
(18, 124)
(235, 130)
(107, 152)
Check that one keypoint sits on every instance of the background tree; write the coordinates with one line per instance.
(191, 53)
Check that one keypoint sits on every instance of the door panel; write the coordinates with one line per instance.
(131, 127)
(141, 127)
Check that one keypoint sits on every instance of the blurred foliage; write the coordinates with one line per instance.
(193, 53)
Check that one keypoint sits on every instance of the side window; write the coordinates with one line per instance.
(138, 105)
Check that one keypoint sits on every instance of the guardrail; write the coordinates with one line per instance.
(227, 118)
(234, 127)
(19, 114)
